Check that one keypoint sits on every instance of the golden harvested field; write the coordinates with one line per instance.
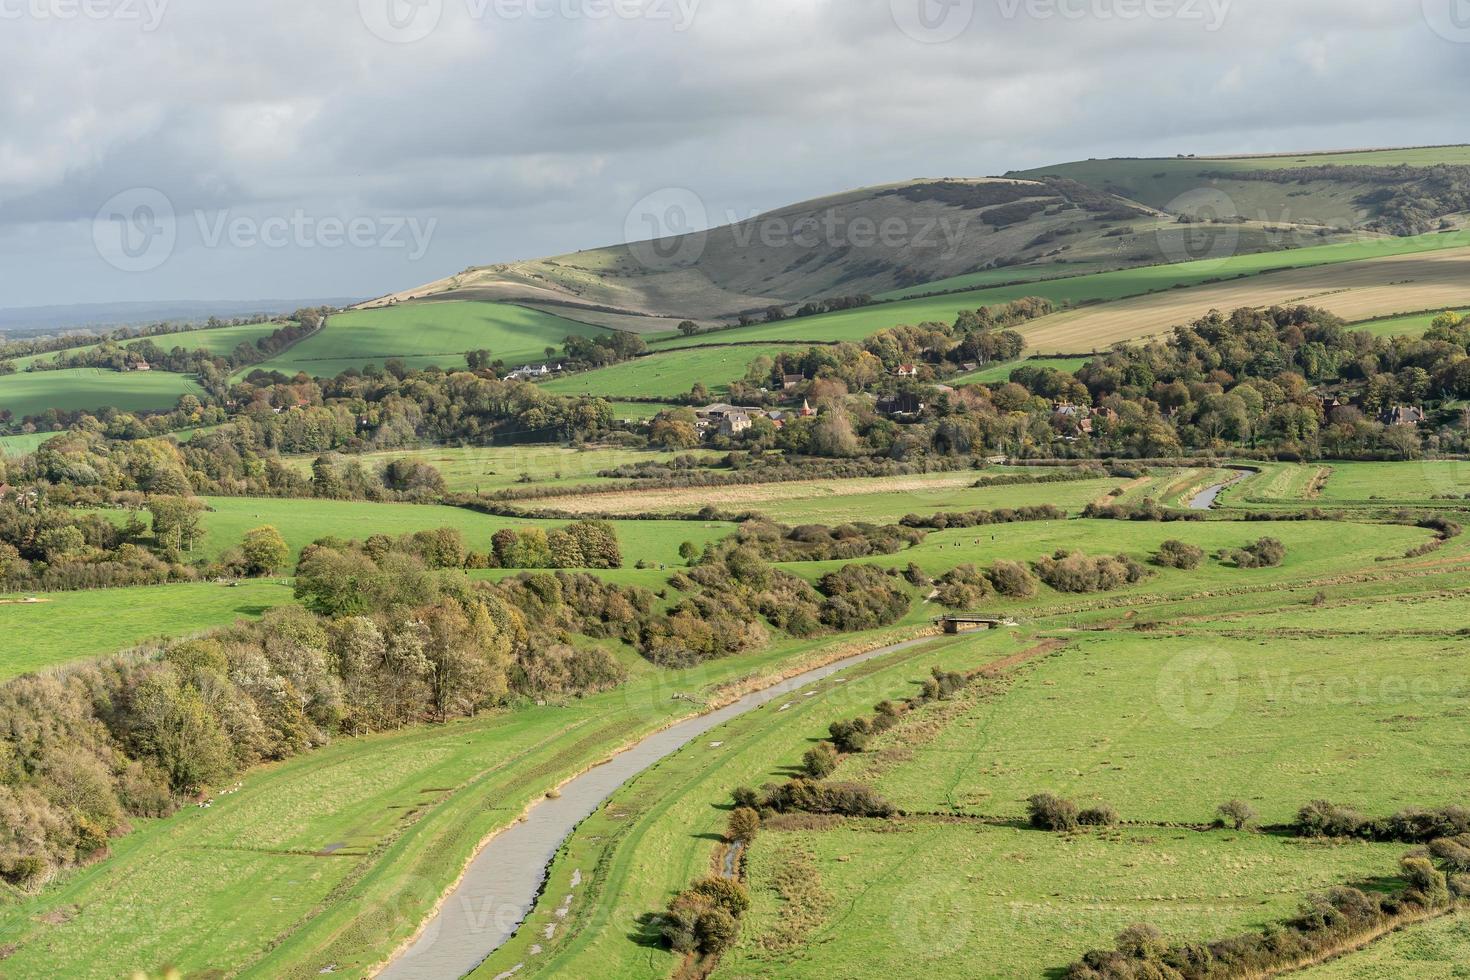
(1353, 290)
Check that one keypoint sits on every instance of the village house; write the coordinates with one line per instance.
(792, 381)
(1403, 415)
(734, 424)
(907, 371)
(904, 405)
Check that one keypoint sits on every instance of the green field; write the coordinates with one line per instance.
(854, 325)
(304, 521)
(977, 901)
(67, 626)
(220, 340)
(242, 886)
(13, 446)
(1396, 482)
(1435, 951)
(474, 469)
(1163, 726)
(1398, 326)
(666, 375)
(424, 334)
(1001, 373)
(90, 389)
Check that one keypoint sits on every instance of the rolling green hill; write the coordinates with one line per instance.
(91, 389)
(425, 334)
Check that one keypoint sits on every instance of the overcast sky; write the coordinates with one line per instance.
(212, 149)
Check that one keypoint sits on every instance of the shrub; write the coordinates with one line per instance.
(843, 799)
(1048, 812)
(964, 587)
(1102, 815)
(820, 760)
(1323, 819)
(851, 736)
(746, 797)
(1078, 573)
(1012, 580)
(1237, 814)
(1454, 852)
(1178, 554)
(1265, 553)
(744, 824)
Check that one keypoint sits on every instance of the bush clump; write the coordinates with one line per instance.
(1048, 812)
(1265, 553)
(1179, 554)
(1078, 573)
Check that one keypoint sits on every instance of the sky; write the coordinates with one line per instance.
(244, 149)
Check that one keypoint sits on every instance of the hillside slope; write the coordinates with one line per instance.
(870, 241)
(957, 233)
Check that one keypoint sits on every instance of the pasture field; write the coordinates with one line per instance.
(1354, 291)
(473, 469)
(1436, 950)
(873, 499)
(667, 375)
(1106, 712)
(66, 626)
(1001, 373)
(304, 521)
(220, 340)
(14, 446)
(935, 899)
(1413, 325)
(916, 896)
(90, 389)
(638, 411)
(325, 862)
(655, 834)
(1166, 728)
(423, 334)
(1396, 482)
(1107, 287)
(1314, 549)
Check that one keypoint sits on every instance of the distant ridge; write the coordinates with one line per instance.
(51, 319)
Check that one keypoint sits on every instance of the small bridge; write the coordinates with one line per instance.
(969, 624)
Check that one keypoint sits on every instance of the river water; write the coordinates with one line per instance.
(500, 887)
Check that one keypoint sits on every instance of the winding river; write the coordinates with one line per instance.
(500, 887)
(1206, 499)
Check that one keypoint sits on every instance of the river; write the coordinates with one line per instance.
(500, 887)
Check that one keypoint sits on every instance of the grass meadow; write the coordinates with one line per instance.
(220, 340)
(424, 334)
(68, 626)
(1107, 287)
(304, 521)
(324, 863)
(474, 469)
(667, 375)
(92, 389)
